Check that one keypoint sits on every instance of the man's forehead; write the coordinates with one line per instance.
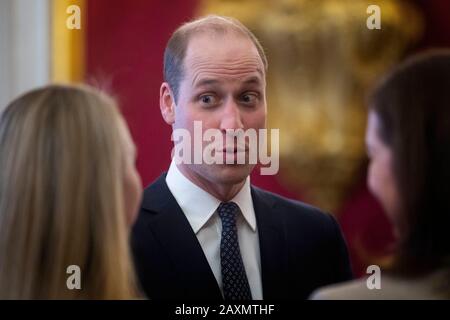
(227, 51)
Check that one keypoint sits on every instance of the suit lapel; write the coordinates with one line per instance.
(173, 231)
(175, 234)
(273, 246)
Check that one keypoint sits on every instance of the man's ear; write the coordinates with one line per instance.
(167, 103)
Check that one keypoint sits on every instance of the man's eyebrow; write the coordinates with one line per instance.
(211, 81)
(253, 80)
(205, 82)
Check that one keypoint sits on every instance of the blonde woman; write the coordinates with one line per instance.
(69, 192)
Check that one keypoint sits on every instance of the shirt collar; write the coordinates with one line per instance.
(198, 205)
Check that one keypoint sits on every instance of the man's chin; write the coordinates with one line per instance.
(231, 173)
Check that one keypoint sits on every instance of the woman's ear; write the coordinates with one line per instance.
(167, 103)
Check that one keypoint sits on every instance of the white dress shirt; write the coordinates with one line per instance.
(200, 209)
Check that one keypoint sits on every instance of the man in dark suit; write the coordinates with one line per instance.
(203, 231)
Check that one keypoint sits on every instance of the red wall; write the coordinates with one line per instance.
(125, 44)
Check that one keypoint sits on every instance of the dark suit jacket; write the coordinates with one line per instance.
(301, 249)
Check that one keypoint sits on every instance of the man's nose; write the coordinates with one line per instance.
(231, 117)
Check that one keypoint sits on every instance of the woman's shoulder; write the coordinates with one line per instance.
(433, 286)
(351, 290)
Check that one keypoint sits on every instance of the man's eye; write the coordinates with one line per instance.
(249, 98)
(208, 99)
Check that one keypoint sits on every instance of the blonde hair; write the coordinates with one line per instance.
(61, 197)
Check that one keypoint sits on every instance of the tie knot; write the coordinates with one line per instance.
(227, 211)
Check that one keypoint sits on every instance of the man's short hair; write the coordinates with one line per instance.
(175, 51)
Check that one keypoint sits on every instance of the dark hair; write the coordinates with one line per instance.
(413, 107)
(175, 51)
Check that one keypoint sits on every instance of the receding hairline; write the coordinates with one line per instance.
(177, 46)
(220, 25)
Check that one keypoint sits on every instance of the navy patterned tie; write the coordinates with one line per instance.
(234, 278)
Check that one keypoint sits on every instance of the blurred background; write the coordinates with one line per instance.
(323, 60)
